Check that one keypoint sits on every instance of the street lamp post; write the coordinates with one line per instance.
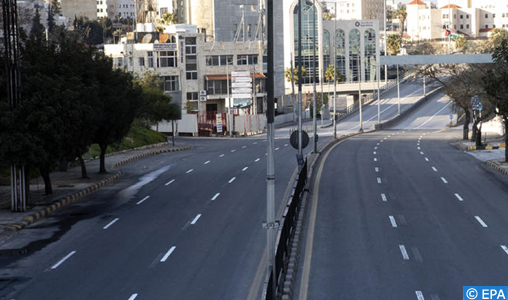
(228, 100)
(359, 72)
(398, 90)
(335, 72)
(314, 75)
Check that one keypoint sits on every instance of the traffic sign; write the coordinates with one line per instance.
(451, 117)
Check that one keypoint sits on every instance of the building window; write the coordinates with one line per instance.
(486, 16)
(150, 59)
(141, 61)
(462, 16)
(167, 59)
(461, 26)
(170, 83)
(487, 26)
(219, 60)
(354, 54)
(191, 61)
(340, 48)
(243, 60)
(370, 54)
(494, 26)
(467, 16)
(192, 96)
(493, 15)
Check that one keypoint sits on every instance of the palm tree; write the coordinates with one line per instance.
(401, 14)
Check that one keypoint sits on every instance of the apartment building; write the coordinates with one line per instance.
(472, 18)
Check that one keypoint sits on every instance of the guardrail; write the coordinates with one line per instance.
(285, 235)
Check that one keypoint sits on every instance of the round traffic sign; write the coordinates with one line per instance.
(294, 139)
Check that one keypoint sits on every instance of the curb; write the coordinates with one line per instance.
(136, 157)
(497, 166)
(472, 148)
(58, 204)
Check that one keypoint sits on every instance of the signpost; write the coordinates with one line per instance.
(218, 118)
(242, 89)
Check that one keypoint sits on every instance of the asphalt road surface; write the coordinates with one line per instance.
(402, 214)
(181, 225)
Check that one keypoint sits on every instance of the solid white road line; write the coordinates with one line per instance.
(459, 197)
(143, 200)
(433, 168)
(189, 171)
(111, 223)
(376, 169)
(378, 180)
(215, 197)
(232, 179)
(404, 252)
(481, 221)
(196, 219)
(244, 169)
(444, 180)
(170, 182)
(133, 296)
(383, 196)
(63, 260)
(504, 248)
(222, 155)
(165, 257)
(257, 159)
(206, 162)
(419, 295)
(392, 220)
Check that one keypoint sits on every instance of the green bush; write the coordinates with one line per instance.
(138, 136)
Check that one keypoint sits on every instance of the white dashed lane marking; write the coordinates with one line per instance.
(63, 260)
(111, 223)
(143, 200)
(404, 252)
(392, 220)
(165, 257)
(206, 162)
(215, 197)
(196, 219)
(232, 179)
(170, 182)
(481, 221)
(459, 197)
(383, 196)
(133, 296)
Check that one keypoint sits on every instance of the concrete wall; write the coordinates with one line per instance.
(188, 124)
(85, 8)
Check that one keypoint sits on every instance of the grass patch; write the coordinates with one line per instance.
(138, 136)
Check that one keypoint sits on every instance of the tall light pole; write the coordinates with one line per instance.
(314, 71)
(386, 39)
(300, 155)
(271, 225)
(335, 72)
(230, 125)
(360, 89)
(398, 90)
(378, 71)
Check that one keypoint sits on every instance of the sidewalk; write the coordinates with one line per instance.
(69, 187)
(493, 154)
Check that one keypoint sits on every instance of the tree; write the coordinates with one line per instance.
(156, 105)
(338, 75)
(294, 78)
(461, 82)
(51, 19)
(461, 44)
(393, 44)
(37, 30)
(401, 14)
(169, 18)
(120, 100)
(496, 83)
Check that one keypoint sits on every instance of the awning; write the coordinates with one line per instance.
(224, 76)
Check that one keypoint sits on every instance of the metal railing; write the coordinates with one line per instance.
(286, 233)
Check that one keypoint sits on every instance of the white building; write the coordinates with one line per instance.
(472, 18)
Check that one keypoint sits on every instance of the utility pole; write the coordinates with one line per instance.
(271, 225)
(386, 40)
(314, 121)
(398, 90)
(300, 155)
(378, 71)
(334, 72)
(360, 89)
(11, 47)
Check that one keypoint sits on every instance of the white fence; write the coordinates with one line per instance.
(188, 124)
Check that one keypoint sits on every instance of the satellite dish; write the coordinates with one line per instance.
(146, 39)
